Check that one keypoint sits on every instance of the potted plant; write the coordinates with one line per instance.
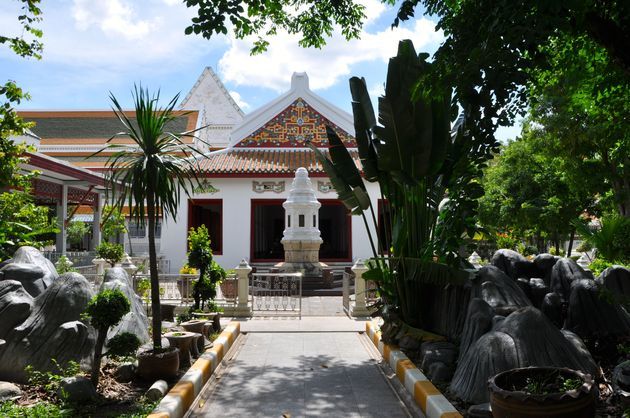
(184, 284)
(210, 273)
(112, 253)
(550, 392)
(151, 179)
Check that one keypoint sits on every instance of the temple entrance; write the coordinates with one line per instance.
(208, 212)
(268, 223)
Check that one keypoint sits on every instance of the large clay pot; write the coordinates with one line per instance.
(159, 365)
(576, 403)
(229, 288)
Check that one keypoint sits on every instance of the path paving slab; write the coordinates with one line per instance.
(301, 374)
(306, 324)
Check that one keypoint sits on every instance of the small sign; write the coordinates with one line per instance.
(205, 187)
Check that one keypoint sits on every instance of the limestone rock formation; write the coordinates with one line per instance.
(498, 290)
(591, 315)
(52, 330)
(563, 273)
(524, 338)
(30, 255)
(552, 307)
(135, 321)
(616, 279)
(478, 322)
(513, 264)
(29, 275)
(544, 264)
(15, 305)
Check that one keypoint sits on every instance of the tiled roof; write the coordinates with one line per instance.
(265, 161)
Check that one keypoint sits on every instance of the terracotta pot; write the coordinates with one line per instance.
(229, 288)
(576, 403)
(159, 365)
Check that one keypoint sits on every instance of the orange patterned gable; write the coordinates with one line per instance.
(293, 126)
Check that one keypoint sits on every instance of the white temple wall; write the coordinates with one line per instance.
(236, 195)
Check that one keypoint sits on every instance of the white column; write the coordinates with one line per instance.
(242, 272)
(359, 308)
(96, 221)
(62, 214)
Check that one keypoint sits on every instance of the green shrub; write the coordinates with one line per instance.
(76, 231)
(39, 410)
(123, 345)
(105, 310)
(598, 265)
(63, 265)
(112, 253)
(49, 381)
(611, 239)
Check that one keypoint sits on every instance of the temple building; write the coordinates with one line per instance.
(250, 162)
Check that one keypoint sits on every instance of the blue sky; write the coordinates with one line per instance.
(92, 47)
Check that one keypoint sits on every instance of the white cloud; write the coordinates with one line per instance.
(239, 100)
(113, 17)
(327, 66)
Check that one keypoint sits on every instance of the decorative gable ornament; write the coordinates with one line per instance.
(205, 187)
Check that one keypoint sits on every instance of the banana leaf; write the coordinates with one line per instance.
(364, 123)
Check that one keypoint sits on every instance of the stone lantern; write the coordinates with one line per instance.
(301, 237)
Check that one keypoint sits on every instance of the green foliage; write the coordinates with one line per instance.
(123, 345)
(183, 317)
(598, 265)
(417, 160)
(112, 253)
(107, 308)
(151, 179)
(23, 223)
(76, 231)
(200, 257)
(113, 222)
(314, 22)
(63, 265)
(39, 410)
(49, 380)
(611, 239)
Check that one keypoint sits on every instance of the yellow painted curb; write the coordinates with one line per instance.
(180, 398)
(431, 401)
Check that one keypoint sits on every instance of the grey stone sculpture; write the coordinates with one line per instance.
(616, 279)
(524, 338)
(135, 321)
(512, 263)
(15, 305)
(563, 273)
(30, 268)
(498, 290)
(51, 330)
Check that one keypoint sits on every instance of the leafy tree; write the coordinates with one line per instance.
(113, 222)
(200, 257)
(152, 176)
(105, 310)
(583, 100)
(529, 192)
(26, 45)
(23, 223)
(416, 160)
(76, 231)
(110, 252)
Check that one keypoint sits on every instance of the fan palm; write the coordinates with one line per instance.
(151, 174)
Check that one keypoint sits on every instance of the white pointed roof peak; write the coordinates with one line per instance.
(299, 81)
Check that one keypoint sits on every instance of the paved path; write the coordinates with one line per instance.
(302, 374)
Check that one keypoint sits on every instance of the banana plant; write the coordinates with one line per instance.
(416, 159)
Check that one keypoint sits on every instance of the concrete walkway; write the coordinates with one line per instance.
(302, 375)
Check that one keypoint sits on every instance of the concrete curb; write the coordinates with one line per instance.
(432, 402)
(181, 396)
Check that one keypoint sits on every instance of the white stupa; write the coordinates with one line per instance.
(301, 237)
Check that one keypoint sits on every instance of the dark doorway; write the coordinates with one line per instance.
(266, 230)
(336, 231)
(208, 212)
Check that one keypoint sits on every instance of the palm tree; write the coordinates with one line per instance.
(151, 175)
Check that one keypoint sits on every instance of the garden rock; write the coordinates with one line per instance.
(525, 338)
(513, 264)
(537, 291)
(15, 305)
(409, 343)
(621, 378)
(563, 273)
(478, 322)
(76, 389)
(30, 275)
(52, 330)
(135, 321)
(498, 290)
(591, 315)
(9, 391)
(440, 372)
(616, 279)
(482, 410)
(552, 308)
(437, 352)
(157, 390)
(125, 372)
(30, 255)
(544, 264)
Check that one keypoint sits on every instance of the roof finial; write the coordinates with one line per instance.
(299, 81)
